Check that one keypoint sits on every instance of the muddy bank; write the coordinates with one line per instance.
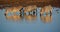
(39, 3)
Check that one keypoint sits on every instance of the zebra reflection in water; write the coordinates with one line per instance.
(46, 18)
(30, 17)
(13, 17)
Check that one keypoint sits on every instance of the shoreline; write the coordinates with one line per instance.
(38, 4)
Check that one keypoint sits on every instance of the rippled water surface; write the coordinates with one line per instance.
(30, 23)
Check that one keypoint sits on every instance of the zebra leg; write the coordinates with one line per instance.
(36, 12)
(51, 12)
(29, 13)
(41, 13)
(5, 14)
(33, 12)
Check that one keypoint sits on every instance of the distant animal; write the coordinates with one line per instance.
(29, 9)
(13, 10)
(46, 9)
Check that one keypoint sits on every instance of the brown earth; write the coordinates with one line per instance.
(4, 3)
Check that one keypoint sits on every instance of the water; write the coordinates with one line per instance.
(35, 23)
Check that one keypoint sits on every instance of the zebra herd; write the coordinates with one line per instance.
(32, 9)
